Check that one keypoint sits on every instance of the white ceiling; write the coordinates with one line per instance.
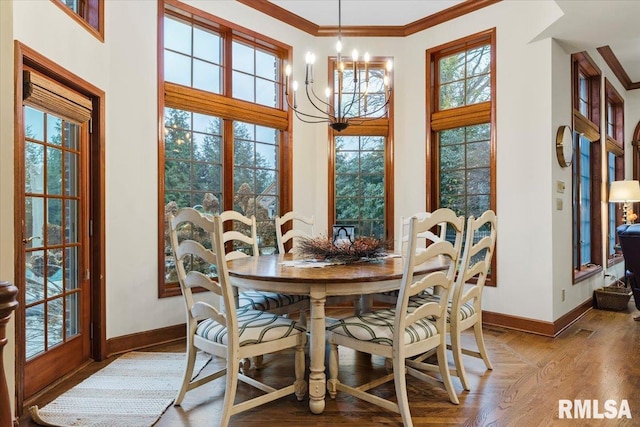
(586, 24)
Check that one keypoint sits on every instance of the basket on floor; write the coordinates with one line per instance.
(613, 298)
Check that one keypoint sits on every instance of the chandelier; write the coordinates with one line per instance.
(362, 93)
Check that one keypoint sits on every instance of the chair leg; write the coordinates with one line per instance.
(302, 319)
(333, 371)
(477, 329)
(300, 385)
(257, 361)
(400, 382)
(229, 392)
(188, 373)
(456, 349)
(446, 375)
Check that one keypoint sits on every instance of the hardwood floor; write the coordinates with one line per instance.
(598, 357)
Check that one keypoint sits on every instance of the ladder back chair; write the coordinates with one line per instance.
(465, 307)
(424, 238)
(294, 232)
(229, 333)
(242, 234)
(403, 332)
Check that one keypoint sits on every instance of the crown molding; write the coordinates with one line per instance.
(307, 26)
(617, 68)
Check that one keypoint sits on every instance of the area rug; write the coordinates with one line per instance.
(132, 391)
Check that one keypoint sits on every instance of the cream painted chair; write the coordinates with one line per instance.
(474, 267)
(241, 240)
(423, 239)
(229, 333)
(404, 332)
(295, 219)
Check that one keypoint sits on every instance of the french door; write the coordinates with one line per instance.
(55, 240)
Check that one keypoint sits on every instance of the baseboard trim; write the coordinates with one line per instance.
(538, 327)
(139, 340)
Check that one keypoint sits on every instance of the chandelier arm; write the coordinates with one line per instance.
(323, 111)
(313, 92)
(302, 118)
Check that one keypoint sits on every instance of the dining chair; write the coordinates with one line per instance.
(466, 301)
(284, 235)
(423, 239)
(229, 333)
(403, 332)
(241, 239)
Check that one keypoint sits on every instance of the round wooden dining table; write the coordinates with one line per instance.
(283, 273)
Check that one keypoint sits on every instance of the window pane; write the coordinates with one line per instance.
(206, 45)
(465, 169)
(266, 93)
(243, 59)
(177, 36)
(360, 183)
(206, 76)
(266, 65)
(243, 86)
(452, 68)
(177, 68)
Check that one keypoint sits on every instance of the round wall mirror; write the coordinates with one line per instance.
(564, 146)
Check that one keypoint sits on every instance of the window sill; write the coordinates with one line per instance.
(615, 259)
(586, 272)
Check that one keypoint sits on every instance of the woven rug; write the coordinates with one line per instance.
(132, 391)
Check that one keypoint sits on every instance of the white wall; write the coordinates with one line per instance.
(533, 98)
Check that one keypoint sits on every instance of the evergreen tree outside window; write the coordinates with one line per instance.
(461, 127)
(224, 145)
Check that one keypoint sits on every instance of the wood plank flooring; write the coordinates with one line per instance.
(598, 357)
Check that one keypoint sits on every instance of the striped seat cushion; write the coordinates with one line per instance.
(255, 327)
(467, 310)
(377, 327)
(266, 301)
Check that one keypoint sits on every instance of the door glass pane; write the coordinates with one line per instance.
(52, 224)
(71, 225)
(71, 269)
(54, 130)
(72, 136)
(54, 319)
(34, 222)
(54, 272)
(72, 321)
(34, 277)
(54, 170)
(70, 174)
(34, 159)
(35, 327)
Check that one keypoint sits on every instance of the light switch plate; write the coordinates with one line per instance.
(560, 186)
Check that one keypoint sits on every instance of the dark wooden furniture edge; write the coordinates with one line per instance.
(8, 303)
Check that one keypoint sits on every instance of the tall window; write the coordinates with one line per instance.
(615, 164)
(361, 169)
(88, 13)
(225, 140)
(461, 126)
(587, 240)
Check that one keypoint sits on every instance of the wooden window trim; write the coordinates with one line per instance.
(468, 115)
(383, 127)
(229, 109)
(612, 96)
(93, 19)
(589, 126)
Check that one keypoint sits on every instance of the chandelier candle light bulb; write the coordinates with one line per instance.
(343, 109)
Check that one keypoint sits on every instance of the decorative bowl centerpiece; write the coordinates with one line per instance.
(342, 251)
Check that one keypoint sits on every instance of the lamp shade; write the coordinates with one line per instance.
(624, 191)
